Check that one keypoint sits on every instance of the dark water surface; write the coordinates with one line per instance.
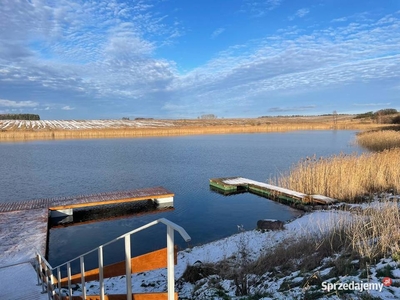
(183, 165)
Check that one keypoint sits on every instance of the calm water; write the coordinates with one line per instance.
(184, 165)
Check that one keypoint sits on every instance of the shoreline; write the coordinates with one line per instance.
(256, 243)
(46, 134)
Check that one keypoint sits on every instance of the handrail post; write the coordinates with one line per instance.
(59, 282)
(50, 289)
(82, 263)
(171, 228)
(69, 279)
(38, 268)
(101, 274)
(41, 273)
(128, 267)
(46, 276)
(170, 263)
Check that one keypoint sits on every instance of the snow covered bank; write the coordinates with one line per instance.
(268, 285)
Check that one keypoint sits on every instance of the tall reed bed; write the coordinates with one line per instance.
(375, 232)
(169, 131)
(345, 177)
(379, 140)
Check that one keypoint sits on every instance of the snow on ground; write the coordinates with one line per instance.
(22, 233)
(267, 286)
(23, 273)
(256, 242)
(80, 124)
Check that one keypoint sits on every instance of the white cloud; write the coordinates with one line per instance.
(68, 108)
(300, 13)
(14, 104)
(217, 32)
(343, 19)
(259, 8)
(94, 51)
(294, 108)
(174, 107)
(372, 104)
(358, 53)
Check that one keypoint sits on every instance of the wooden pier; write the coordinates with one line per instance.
(24, 224)
(24, 231)
(232, 185)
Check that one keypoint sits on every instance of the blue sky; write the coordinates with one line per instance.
(92, 59)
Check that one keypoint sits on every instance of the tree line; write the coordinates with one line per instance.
(19, 117)
(381, 112)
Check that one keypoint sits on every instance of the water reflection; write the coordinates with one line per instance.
(89, 215)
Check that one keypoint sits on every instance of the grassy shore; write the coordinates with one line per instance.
(350, 177)
(188, 127)
(345, 177)
(379, 140)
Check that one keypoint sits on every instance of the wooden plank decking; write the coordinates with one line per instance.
(21, 233)
(24, 224)
(88, 200)
(24, 229)
(237, 184)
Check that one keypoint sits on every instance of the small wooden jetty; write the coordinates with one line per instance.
(232, 185)
(158, 194)
(24, 224)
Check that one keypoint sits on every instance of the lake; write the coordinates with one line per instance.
(182, 164)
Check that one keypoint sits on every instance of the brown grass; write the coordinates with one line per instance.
(370, 235)
(379, 140)
(194, 127)
(375, 232)
(345, 177)
(346, 243)
(304, 254)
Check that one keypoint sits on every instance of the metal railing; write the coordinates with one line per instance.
(48, 282)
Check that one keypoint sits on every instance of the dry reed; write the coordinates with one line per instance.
(369, 235)
(197, 129)
(375, 232)
(379, 140)
(345, 177)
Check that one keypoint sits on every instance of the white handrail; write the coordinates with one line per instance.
(171, 227)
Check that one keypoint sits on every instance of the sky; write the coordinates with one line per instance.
(97, 59)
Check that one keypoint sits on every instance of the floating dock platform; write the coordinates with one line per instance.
(232, 185)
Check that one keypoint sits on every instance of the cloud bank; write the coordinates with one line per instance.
(103, 56)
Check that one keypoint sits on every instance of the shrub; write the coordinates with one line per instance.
(196, 272)
(396, 120)
(386, 111)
